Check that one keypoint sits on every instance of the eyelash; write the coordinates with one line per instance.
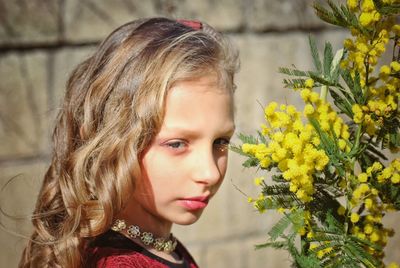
(225, 143)
(221, 143)
(173, 143)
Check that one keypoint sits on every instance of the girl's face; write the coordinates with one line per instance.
(185, 164)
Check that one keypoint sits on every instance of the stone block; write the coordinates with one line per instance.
(27, 22)
(197, 252)
(20, 184)
(89, 20)
(277, 15)
(224, 15)
(391, 220)
(258, 81)
(23, 104)
(224, 254)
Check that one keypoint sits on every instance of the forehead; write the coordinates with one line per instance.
(211, 76)
(199, 99)
(199, 88)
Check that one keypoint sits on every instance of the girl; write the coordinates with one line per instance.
(140, 143)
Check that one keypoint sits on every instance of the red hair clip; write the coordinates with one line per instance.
(196, 25)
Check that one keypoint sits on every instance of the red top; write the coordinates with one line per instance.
(113, 250)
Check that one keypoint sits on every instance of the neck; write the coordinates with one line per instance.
(134, 214)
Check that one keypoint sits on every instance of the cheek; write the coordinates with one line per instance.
(160, 170)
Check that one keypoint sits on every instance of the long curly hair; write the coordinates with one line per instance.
(113, 107)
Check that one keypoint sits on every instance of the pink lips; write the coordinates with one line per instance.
(194, 203)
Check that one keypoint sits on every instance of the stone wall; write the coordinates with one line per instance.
(42, 40)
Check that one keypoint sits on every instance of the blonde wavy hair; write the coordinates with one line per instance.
(113, 107)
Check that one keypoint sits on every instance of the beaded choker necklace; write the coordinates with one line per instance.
(161, 244)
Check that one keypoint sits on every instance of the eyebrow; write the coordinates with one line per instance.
(193, 133)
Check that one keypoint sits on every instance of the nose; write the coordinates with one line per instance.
(206, 169)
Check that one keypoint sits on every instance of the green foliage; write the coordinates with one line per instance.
(249, 139)
(279, 196)
(386, 9)
(341, 249)
(354, 86)
(315, 54)
(330, 207)
(326, 74)
(278, 229)
(338, 15)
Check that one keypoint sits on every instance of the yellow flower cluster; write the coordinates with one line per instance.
(390, 173)
(259, 202)
(323, 252)
(328, 119)
(352, 5)
(368, 226)
(383, 102)
(364, 52)
(292, 149)
(369, 15)
(392, 265)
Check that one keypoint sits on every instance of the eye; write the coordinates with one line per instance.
(222, 144)
(176, 144)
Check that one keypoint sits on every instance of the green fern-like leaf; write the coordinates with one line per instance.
(294, 83)
(315, 54)
(344, 104)
(292, 72)
(280, 195)
(261, 137)
(354, 86)
(335, 65)
(307, 261)
(335, 17)
(359, 254)
(277, 189)
(338, 15)
(279, 228)
(333, 224)
(251, 162)
(328, 58)
(275, 245)
(322, 80)
(278, 178)
(384, 9)
(389, 134)
(248, 138)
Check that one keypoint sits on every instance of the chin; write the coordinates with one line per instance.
(188, 218)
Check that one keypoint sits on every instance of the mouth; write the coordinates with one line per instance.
(194, 203)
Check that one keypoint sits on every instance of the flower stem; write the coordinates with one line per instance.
(358, 136)
(324, 93)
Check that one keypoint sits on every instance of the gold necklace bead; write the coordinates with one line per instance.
(118, 225)
(133, 231)
(147, 238)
